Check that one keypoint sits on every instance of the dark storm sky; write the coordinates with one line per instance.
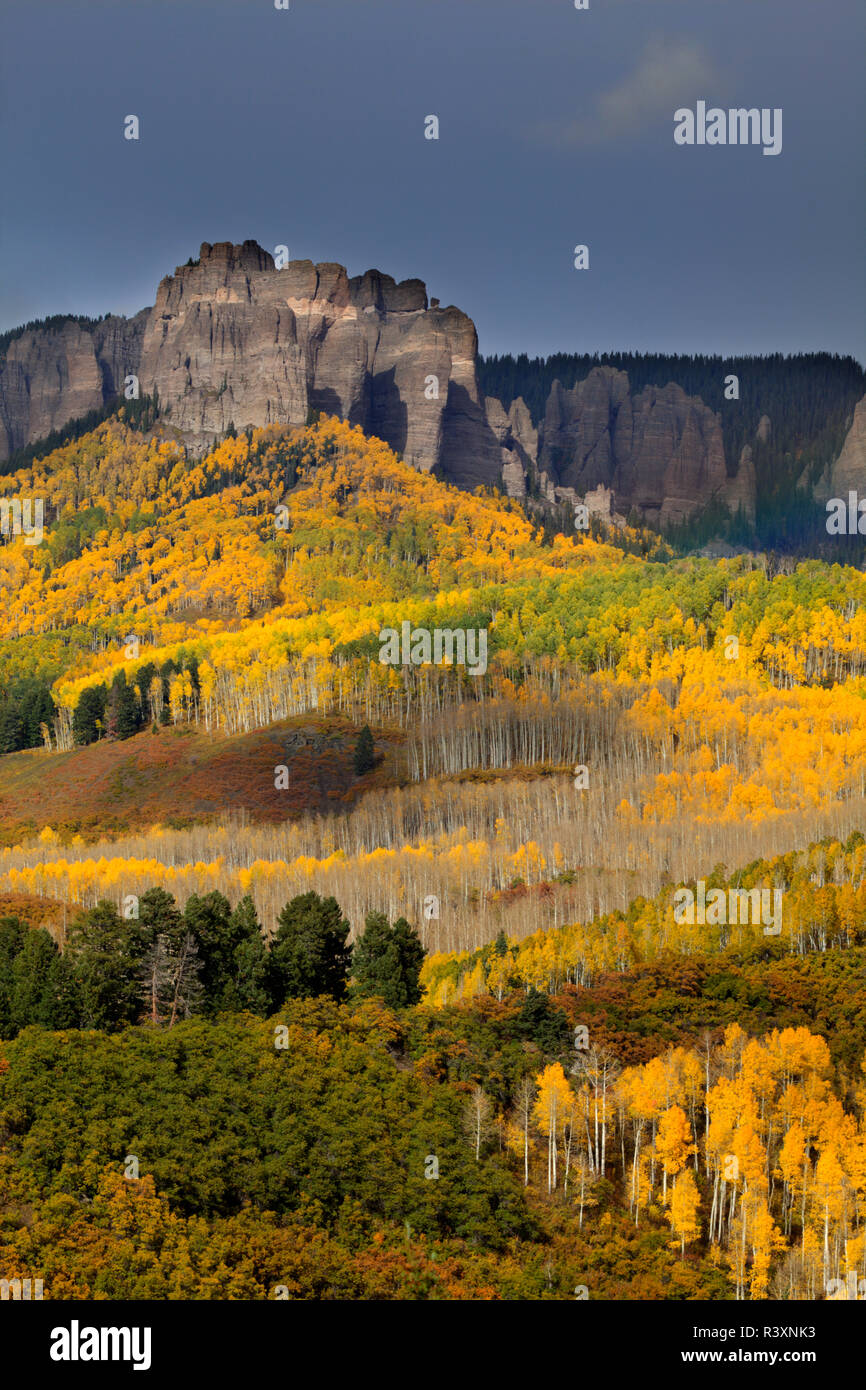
(305, 127)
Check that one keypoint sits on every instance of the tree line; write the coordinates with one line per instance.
(159, 965)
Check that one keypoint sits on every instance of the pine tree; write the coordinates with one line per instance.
(122, 711)
(158, 915)
(310, 954)
(411, 955)
(214, 927)
(12, 934)
(375, 960)
(89, 717)
(248, 989)
(128, 717)
(104, 969)
(31, 997)
(62, 994)
(365, 752)
(11, 728)
(387, 962)
(542, 1022)
(245, 921)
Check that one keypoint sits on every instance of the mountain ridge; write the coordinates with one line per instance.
(232, 340)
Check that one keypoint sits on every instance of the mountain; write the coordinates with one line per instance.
(233, 340)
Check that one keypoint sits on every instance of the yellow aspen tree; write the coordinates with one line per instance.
(673, 1144)
(683, 1214)
(766, 1241)
(551, 1111)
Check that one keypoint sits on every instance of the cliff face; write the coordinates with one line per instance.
(51, 375)
(660, 452)
(517, 440)
(231, 339)
(234, 340)
(848, 473)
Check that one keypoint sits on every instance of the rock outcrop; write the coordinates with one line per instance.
(517, 439)
(51, 375)
(232, 339)
(741, 491)
(848, 473)
(661, 451)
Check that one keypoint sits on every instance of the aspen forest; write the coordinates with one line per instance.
(405, 978)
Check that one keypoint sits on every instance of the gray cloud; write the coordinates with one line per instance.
(668, 74)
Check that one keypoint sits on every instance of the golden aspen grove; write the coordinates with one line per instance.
(594, 912)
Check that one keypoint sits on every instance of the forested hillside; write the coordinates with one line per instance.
(689, 1129)
(331, 967)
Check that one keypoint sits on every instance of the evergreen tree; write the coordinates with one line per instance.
(11, 728)
(248, 988)
(122, 709)
(31, 997)
(245, 921)
(104, 968)
(387, 962)
(34, 700)
(169, 669)
(411, 955)
(63, 993)
(88, 720)
(217, 932)
(543, 1023)
(12, 934)
(142, 679)
(365, 752)
(375, 960)
(247, 985)
(310, 954)
(158, 915)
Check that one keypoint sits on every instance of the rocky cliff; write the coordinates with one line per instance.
(51, 375)
(848, 473)
(660, 452)
(233, 339)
